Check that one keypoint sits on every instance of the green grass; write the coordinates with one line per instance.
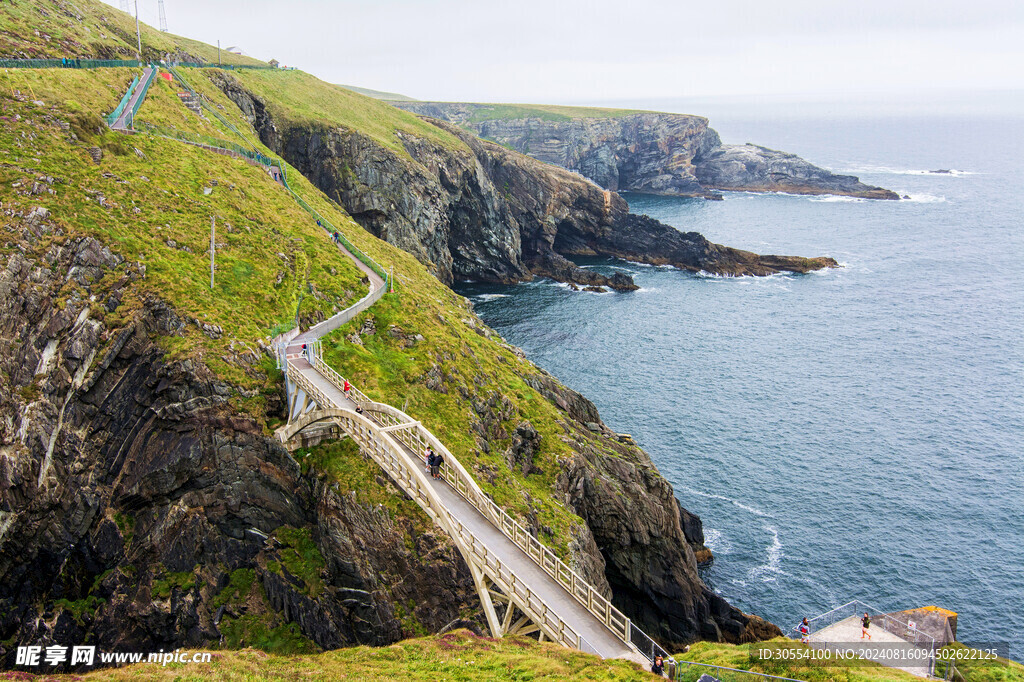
(749, 657)
(458, 655)
(545, 112)
(269, 251)
(302, 99)
(90, 29)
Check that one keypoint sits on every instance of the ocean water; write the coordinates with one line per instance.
(850, 434)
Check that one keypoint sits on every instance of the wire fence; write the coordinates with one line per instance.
(68, 63)
(206, 105)
(688, 671)
(645, 645)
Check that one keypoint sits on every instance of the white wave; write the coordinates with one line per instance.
(771, 569)
(922, 198)
(886, 170)
(835, 198)
(716, 541)
(713, 496)
(489, 297)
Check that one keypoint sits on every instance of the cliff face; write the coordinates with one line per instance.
(485, 213)
(651, 153)
(139, 509)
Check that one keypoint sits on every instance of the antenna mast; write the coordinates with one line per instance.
(163, 17)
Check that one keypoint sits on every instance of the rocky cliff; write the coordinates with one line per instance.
(141, 510)
(646, 152)
(478, 211)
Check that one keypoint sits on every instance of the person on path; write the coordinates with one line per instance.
(359, 409)
(347, 388)
(430, 457)
(865, 623)
(658, 667)
(805, 631)
(438, 462)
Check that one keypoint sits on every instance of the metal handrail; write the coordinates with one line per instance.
(418, 438)
(413, 482)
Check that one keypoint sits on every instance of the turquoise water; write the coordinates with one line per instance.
(852, 434)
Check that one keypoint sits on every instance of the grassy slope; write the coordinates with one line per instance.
(547, 112)
(390, 368)
(304, 99)
(159, 196)
(88, 28)
(454, 656)
(379, 94)
(747, 657)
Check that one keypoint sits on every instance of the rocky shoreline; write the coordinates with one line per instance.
(487, 213)
(649, 153)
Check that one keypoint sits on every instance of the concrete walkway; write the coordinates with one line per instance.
(584, 623)
(544, 586)
(883, 647)
(123, 121)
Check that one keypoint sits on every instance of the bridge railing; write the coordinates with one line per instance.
(384, 449)
(418, 438)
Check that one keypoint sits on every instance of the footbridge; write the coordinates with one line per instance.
(523, 586)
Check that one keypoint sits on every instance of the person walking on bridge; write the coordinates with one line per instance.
(347, 388)
(435, 470)
(865, 623)
(429, 457)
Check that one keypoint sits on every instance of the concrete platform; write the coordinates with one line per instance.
(884, 647)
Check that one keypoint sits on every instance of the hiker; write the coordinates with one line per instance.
(805, 631)
(304, 354)
(658, 667)
(864, 625)
(429, 457)
(359, 409)
(438, 462)
(347, 387)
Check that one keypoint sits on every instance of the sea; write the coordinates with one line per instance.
(854, 433)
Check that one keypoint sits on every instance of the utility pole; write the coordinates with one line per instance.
(213, 221)
(138, 32)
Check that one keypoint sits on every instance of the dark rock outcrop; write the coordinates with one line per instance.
(482, 212)
(751, 168)
(132, 494)
(650, 153)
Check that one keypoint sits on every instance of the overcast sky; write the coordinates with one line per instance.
(600, 51)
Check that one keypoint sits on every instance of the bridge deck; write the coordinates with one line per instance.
(545, 587)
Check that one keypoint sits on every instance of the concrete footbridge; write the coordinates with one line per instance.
(523, 586)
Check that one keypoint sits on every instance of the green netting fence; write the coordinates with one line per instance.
(116, 113)
(67, 63)
(205, 104)
(268, 162)
(229, 67)
(138, 102)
